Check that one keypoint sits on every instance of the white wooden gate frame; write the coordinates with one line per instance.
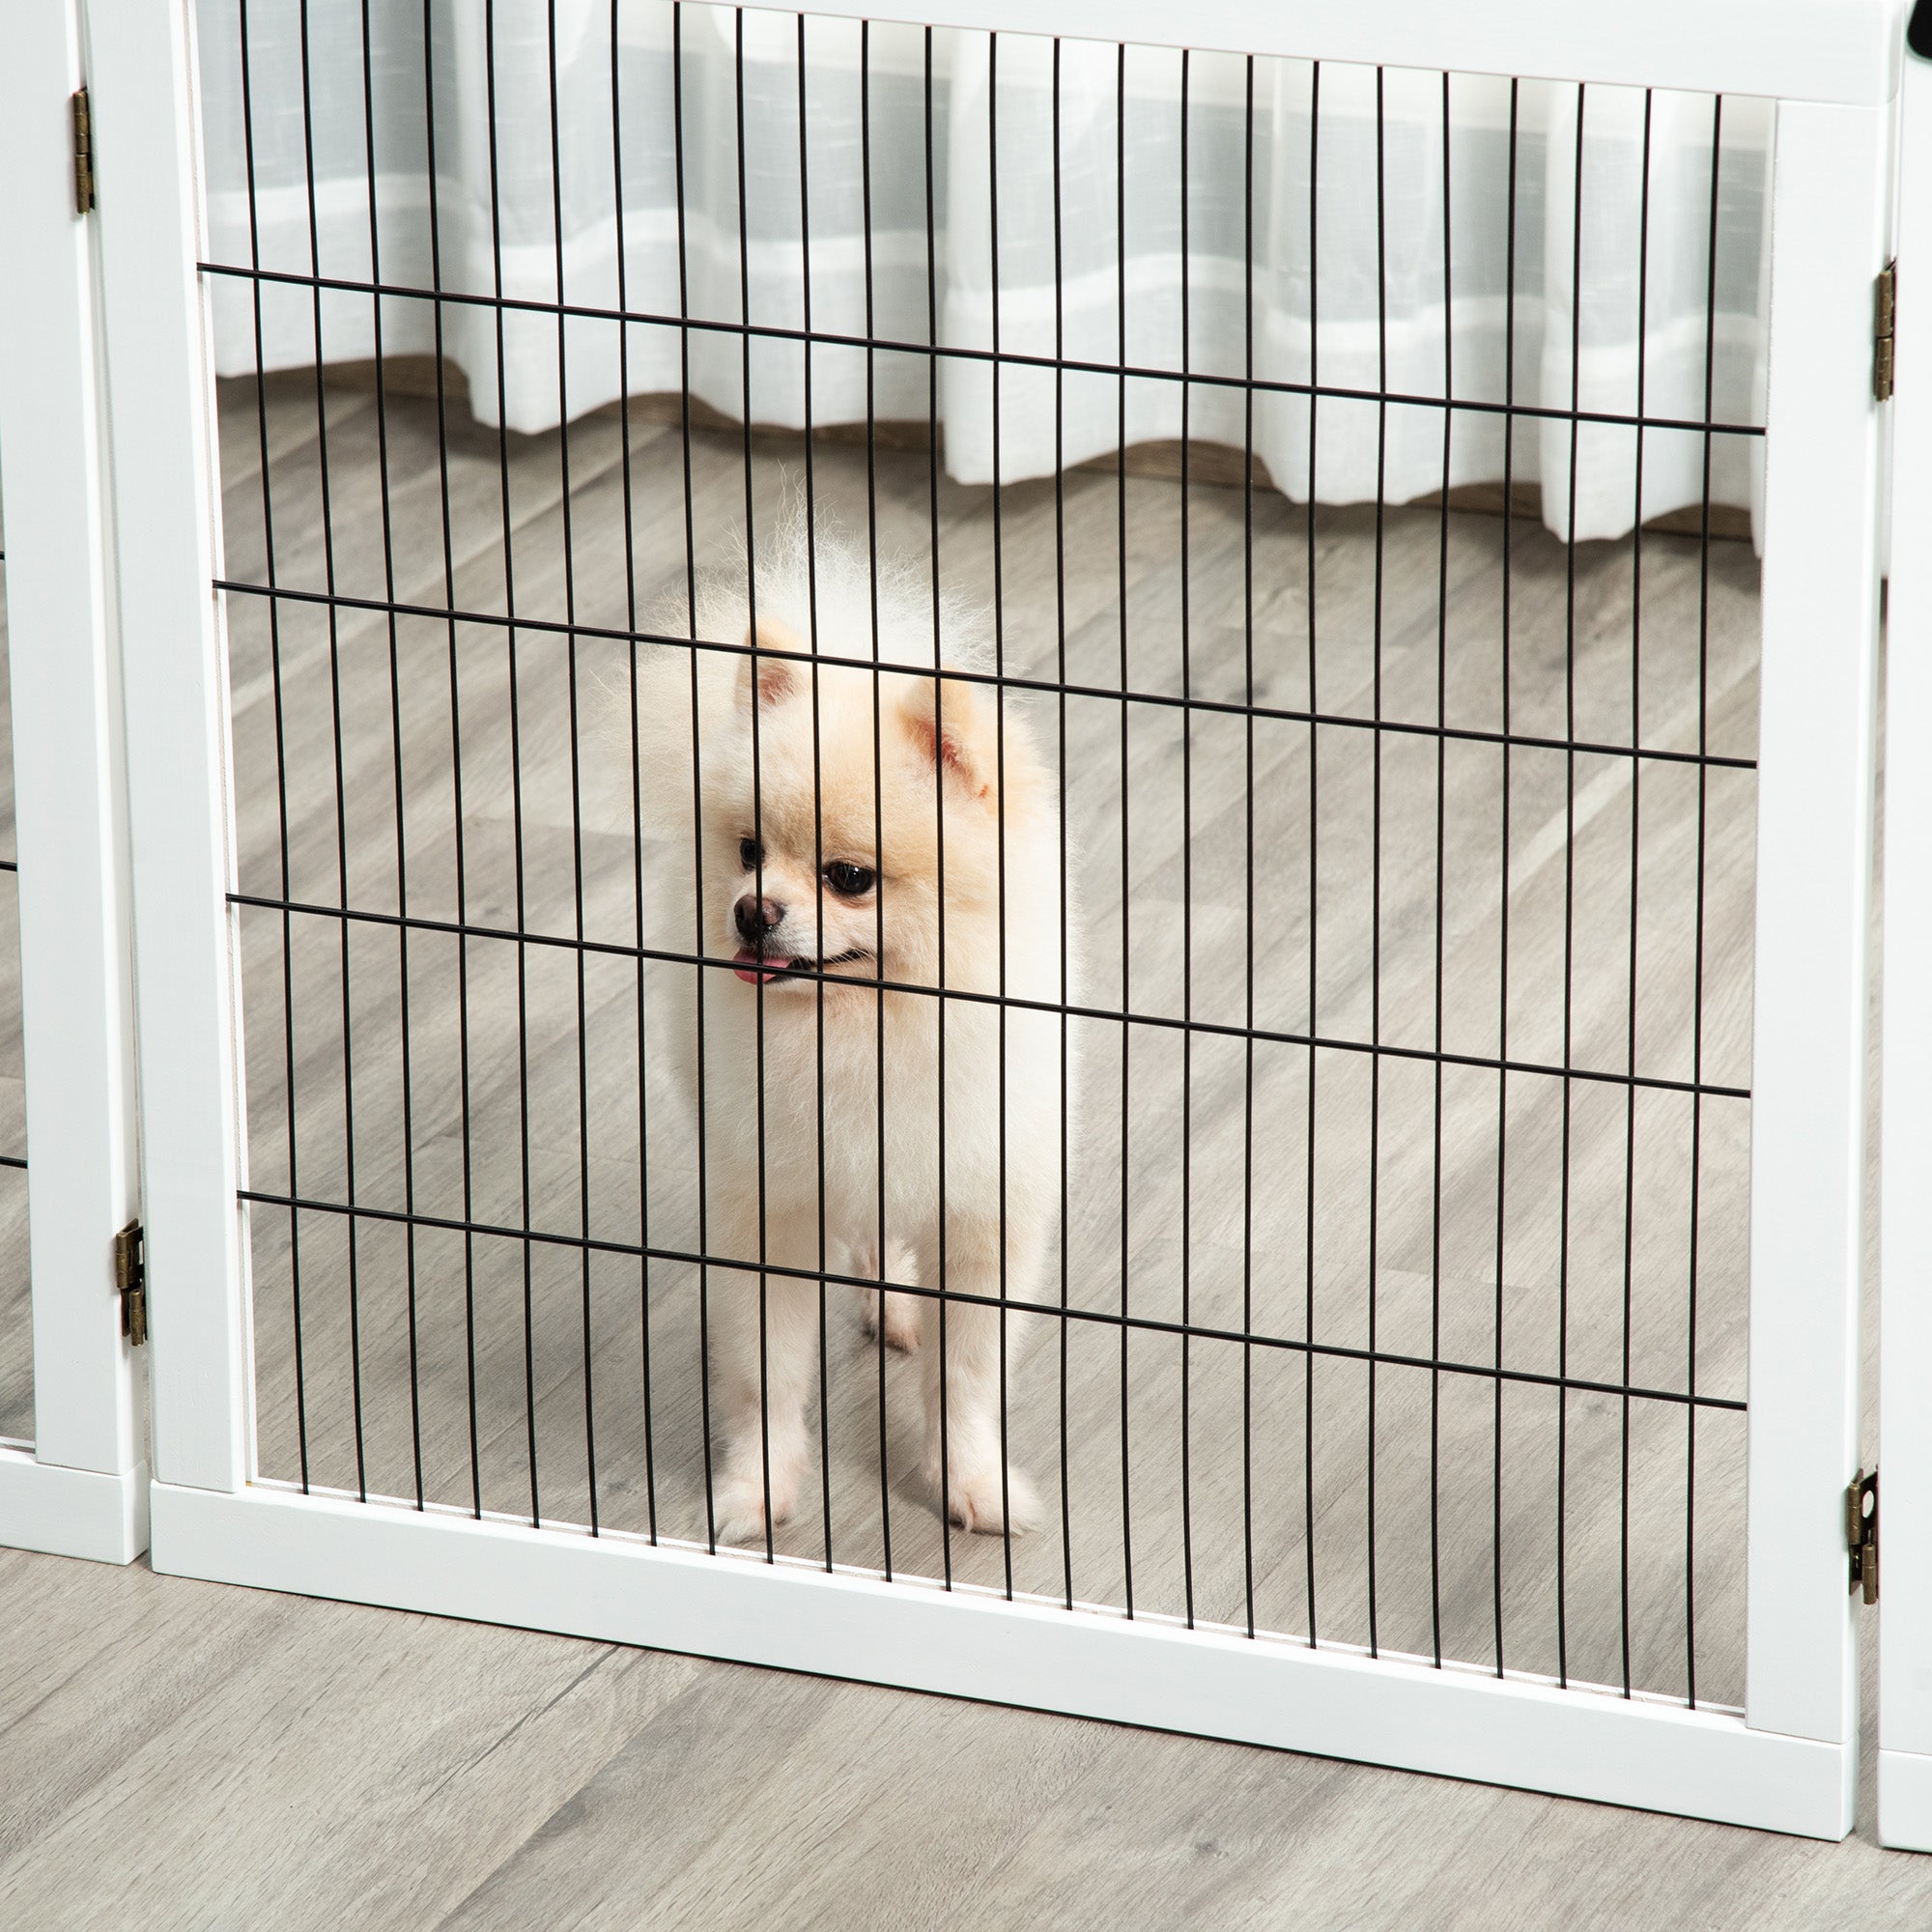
(1905, 1260)
(81, 1489)
(1789, 1762)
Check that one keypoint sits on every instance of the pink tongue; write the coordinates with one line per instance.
(753, 976)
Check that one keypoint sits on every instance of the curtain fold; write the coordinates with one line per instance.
(1387, 233)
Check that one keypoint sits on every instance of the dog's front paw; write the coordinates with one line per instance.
(979, 1498)
(739, 1508)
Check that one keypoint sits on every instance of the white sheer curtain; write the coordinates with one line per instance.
(1319, 195)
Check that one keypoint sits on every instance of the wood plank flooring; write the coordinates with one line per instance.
(184, 1756)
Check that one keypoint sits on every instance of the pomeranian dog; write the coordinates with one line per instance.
(874, 860)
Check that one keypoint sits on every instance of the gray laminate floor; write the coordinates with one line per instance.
(181, 1754)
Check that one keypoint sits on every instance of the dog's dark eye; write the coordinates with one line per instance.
(850, 881)
(751, 854)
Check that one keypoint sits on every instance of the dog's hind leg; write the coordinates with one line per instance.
(763, 1357)
(902, 1311)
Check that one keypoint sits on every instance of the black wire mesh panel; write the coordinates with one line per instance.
(16, 1331)
(1327, 494)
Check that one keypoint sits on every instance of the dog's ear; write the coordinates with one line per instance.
(953, 722)
(774, 679)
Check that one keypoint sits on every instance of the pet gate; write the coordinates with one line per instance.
(74, 1475)
(1402, 547)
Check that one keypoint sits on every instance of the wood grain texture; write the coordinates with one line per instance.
(177, 1754)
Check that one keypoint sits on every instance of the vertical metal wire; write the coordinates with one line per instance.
(939, 790)
(637, 770)
(1635, 854)
(1248, 827)
(396, 740)
(1187, 912)
(1503, 908)
(1376, 864)
(1698, 983)
(1314, 795)
(341, 790)
(281, 740)
(575, 774)
(1000, 778)
(878, 775)
(1569, 911)
(1126, 837)
(516, 762)
(1441, 747)
(758, 784)
(455, 767)
(698, 947)
(817, 790)
(1060, 674)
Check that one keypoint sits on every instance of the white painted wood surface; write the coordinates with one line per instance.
(1905, 1272)
(168, 537)
(73, 1512)
(74, 907)
(1460, 1722)
(1830, 51)
(1814, 812)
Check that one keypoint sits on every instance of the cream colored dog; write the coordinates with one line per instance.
(862, 838)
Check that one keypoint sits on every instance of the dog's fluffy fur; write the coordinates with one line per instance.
(920, 780)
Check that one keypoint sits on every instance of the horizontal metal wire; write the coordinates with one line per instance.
(949, 351)
(1001, 680)
(672, 956)
(1096, 1316)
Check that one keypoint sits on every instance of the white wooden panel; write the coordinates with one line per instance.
(73, 1512)
(1832, 50)
(1462, 1722)
(1905, 1259)
(73, 925)
(175, 681)
(1829, 229)
(1904, 1801)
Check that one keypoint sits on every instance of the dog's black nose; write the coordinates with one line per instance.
(756, 916)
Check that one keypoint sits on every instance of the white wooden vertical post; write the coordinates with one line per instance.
(160, 391)
(84, 1489)
(1905, 1257)
(1820, 602)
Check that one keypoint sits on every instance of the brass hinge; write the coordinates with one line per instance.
(1887, 306)
(1862, 1533)
(130, 1280)
(83, 154)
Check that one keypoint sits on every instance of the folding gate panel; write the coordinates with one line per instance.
(1905, 1443)
(1129, 690)
(73, 1474)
